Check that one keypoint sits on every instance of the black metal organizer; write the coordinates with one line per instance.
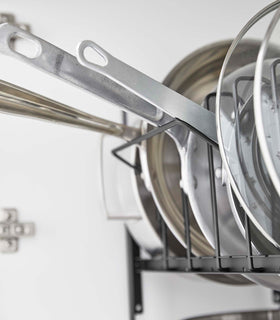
(216, 264)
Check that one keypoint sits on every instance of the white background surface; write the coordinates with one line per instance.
(75, 267)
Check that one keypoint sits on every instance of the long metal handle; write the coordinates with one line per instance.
(18, 101)
(115, 81)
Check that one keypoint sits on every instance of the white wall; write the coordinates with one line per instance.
(75, 267)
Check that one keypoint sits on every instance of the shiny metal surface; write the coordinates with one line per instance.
(260, 245)
(231, 216)
(266, 101)
(164, 175)
(242, 315)
(114, 81)
(200, 245)
(143, 221)
(232, 241)
(244, 156)
(152, 115)
(198, 188)
(18, 101)
(145, 227)
(150, 214)
(232, 233)
(257, 190)
(195, 77)
(251, 196)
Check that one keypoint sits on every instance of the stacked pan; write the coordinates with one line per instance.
(157, 189)
(247, 118)
(239, 82)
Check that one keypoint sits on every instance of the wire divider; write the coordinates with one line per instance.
(250, 263)
(218, 263)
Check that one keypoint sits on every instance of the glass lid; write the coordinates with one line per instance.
(236, 128)
(267, 100)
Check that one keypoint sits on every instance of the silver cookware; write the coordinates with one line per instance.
(245, 171)
(137, 93)
(194, 77)
(238, 143)
(115, 81)
(18, 101)
(22, 102)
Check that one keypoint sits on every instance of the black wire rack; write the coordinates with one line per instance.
(217, 264)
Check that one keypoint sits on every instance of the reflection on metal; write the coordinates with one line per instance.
(116, 82)
(18, 101)
(11, 230)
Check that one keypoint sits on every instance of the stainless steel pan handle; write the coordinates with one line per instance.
(65, 66)
(18, 101)
(116, 82)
